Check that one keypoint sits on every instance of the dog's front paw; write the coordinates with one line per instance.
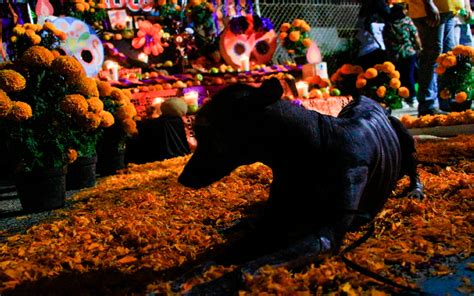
(416, 191)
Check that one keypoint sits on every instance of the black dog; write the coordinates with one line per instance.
(326, 170)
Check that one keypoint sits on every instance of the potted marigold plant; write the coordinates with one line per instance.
(112, 146)
(456, 77)
(381, 83)
(45, 109)
(295, 39)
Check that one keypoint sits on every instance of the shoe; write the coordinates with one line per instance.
(434, 111)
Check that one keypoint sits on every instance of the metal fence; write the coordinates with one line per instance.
(332, 25)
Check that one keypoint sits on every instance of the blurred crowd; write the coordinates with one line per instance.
(412, 34)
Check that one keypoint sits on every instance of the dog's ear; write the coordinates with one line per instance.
(272, 89)
(268, 93)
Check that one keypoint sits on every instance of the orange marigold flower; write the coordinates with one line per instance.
(449, 61)
(20, 111)
(294, 36)
(61, 35)
(460, 97)
(458, 49)
(283, 35)
(118, 96)
(80, 7)
(55, 53)
(126, 111)
(19, 30)
(105, 89)
(127, 93)
(37, 57)
(95, 105)
(336, 77)
(395, 83)
(403, 92)
(307, 42)
(85, 86)
(440, 70)
(90, 120)
(394, 74)
(30, 32)
(408, 120)
(381, 91)
(71, 155)
(74, 104)
(50, 27)
(347, 69)
(107, 119)
(445, 94)
(67, 66)
(12, 81)
(388, 67)
(297, 23)
(361, 82)
(285, 27)
(5, 104)
(305, 27)
(35, 39)
(371, 73)
(129, 126)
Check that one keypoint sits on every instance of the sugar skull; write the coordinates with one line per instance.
(82, 43)
(248, 37)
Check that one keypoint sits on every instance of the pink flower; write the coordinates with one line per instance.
(149, 37)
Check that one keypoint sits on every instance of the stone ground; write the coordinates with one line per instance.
(14, 220)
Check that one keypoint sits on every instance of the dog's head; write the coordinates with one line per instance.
(223, 129)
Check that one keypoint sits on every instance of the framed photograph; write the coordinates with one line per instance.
(119, 19)
(137, 19)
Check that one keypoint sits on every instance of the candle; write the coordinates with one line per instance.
(244, 63)
(143, 57)
(113, 68)
(191, 98)
(302, 88)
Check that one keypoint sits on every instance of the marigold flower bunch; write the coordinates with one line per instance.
(122, 111)
(456, 74)
(50, 109)
(93, 12)
(169, 9)
(200, 13)
(294, 37)
(381, 83)
(26, 35)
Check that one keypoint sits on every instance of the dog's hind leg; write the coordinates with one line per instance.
(409, 160)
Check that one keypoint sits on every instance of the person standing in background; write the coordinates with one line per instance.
(434, 20)
(370, 23)
(403, 46)
(463, 27)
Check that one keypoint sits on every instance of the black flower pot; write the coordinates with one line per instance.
(81, 173)
(459, 107)
(41, 190)
(110, 162)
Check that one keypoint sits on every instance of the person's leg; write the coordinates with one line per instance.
(431, 40)
(406, 67)
(465, 34)
(448, 22)
(449, 37)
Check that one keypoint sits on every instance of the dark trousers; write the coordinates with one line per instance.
(407, 67)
